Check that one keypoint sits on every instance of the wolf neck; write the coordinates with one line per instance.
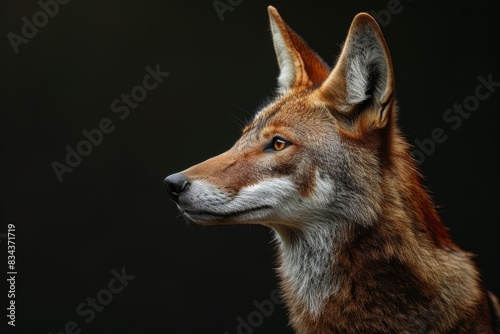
(307, 265)
(320, 267)
(321, 264)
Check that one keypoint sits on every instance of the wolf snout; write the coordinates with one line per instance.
(176, 184)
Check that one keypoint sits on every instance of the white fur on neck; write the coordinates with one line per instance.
(307, 265)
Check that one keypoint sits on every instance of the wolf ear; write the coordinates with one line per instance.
(361, 86)
(300, 67)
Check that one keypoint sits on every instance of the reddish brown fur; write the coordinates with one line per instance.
(308, 61)
(383, 280)
(401, 273)
(385, 270)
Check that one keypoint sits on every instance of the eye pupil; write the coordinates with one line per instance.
(279, 144)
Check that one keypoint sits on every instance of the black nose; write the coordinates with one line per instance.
(176, 184)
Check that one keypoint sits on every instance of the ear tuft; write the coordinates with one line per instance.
(368, 72)
(362, 83)
(300, 67)
(284, 50)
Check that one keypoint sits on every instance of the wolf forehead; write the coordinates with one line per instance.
(296, 112)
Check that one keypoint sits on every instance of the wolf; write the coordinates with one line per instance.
(361, 247)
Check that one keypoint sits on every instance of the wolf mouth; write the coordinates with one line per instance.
(217, 215)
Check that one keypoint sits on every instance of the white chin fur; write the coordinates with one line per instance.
(205, 202)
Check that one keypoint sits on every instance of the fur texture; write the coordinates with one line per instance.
(361, 248)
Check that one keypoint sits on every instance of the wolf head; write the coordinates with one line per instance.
(317, 153)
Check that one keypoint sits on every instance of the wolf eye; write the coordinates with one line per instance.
(277, 144)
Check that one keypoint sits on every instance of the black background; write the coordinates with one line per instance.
(112, 211)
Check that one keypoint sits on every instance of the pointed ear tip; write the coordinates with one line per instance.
(363, 18)
(272, 11)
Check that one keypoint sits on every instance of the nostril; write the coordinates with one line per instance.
(176, 184)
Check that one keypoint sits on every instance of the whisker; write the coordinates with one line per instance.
(249, 113)
(248, 119)
(240, 122)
